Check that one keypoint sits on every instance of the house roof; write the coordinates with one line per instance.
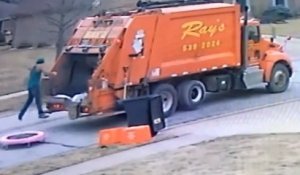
(6, 10)
(29, 7)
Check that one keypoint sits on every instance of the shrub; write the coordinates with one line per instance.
(276, 14)
(23, 45)
(42, 44)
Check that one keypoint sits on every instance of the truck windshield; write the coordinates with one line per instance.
(253, 33)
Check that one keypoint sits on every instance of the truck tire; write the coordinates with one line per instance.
(280, 79)
(169, 98)
(190, 94)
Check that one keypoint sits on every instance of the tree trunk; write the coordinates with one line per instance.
(59, 49)
(14, 32)
(60, 41)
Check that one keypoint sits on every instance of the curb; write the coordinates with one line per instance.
(12, 101)
(13, 95)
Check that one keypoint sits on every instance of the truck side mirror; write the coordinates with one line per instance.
(273, 30)
(272, 42)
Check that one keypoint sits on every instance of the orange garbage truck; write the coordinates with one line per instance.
(180, 52)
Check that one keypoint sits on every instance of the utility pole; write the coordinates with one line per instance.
(243, 3)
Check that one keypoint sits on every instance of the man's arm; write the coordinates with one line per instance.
(47, 73)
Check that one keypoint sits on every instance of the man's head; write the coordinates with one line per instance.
(40, 61)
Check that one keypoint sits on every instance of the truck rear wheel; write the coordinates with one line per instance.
(279, 79)
(190, 94)
(169, 98)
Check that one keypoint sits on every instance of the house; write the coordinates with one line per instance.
(6, 26)
(257, 7)
(32, 25)
(6, 10)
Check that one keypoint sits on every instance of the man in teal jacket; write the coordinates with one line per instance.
(33, 88)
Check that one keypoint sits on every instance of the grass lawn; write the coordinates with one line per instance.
(55, 162)
(253, 155)
(240, 155)
(15, 64)
(291, 28)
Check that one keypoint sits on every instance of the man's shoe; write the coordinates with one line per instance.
(43, 116)
(20, 117)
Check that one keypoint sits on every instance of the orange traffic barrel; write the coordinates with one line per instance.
(111, 136)
(136, 135)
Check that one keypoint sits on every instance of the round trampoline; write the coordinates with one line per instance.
(22, 138)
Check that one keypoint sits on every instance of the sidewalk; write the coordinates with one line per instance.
(274, 119)
(12, 101)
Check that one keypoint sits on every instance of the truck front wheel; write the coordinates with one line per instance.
(190, 94)
(279, 79)
(169, 97)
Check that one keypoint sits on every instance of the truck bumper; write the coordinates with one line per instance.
(75, 110)
(60, 104)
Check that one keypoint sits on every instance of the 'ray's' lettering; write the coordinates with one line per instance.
(198, 28)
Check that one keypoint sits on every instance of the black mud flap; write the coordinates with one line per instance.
(146, 110)
(157, 115)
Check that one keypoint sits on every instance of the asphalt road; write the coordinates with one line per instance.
(73, 134)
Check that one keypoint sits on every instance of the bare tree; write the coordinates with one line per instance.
(64, 14)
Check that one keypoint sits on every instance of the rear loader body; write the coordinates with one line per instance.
(179, 53)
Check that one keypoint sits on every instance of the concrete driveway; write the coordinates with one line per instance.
(66, 135)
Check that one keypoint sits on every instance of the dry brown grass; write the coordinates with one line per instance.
(14, 71)
(52, 163)
(15, 64)
(291, 28)
(77, 156)
(243, 155)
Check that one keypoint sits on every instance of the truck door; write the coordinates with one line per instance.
(139, 37)
(254, 52)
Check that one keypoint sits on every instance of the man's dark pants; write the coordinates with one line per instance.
(33, 93)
